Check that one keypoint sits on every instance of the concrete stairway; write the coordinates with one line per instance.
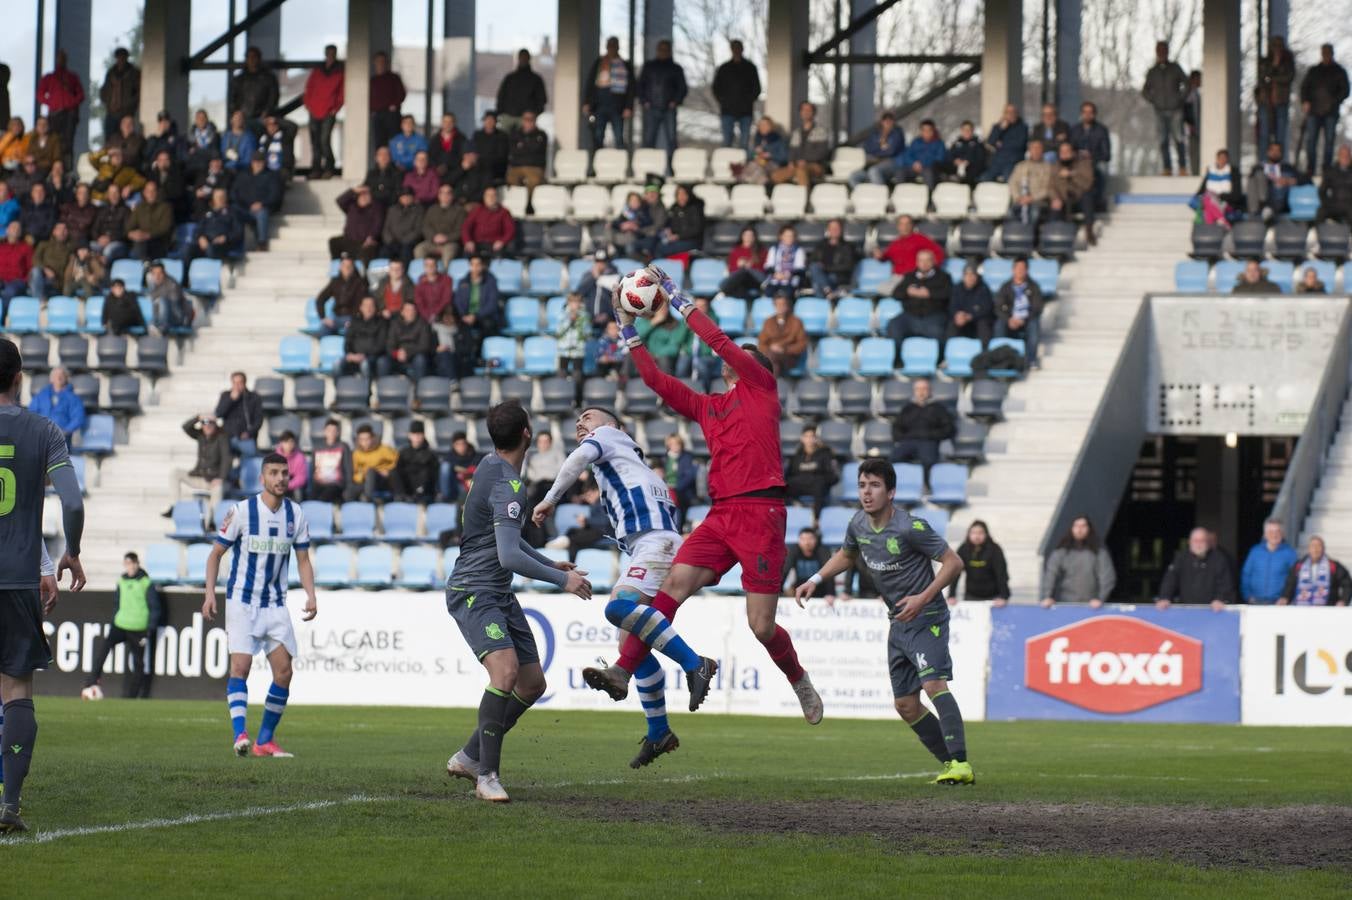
(1331, 508)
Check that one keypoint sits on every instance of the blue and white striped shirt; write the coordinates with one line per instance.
(635, 497)
(262, 540)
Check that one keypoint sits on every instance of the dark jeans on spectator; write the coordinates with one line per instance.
(743, 284)
(1170, 126)
(1314, 127)
(928, 175)
(384, 125)
(659, 130)
(1272, 123)
(916, 450)
(671, 248)
(443, 364)
(742, 125)
(321, 144)
(818, 487)
(258, 218)
(417, 367)
(609, 111)
(981, 329)
(325, 493)
(151, 248)
(140, 660)
(372, 487)
(706, 369)
(112, 251)
(1029, 334)
(244, 446)
(905, 326)
(340, 245)
(468, 341)
(367, 368)
(582, 539)
(398, 251)
(824, 282)
(406, 490)
(64, 124)
(8, 291)
(571, 367)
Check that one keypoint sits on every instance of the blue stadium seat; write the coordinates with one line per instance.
(400, 522)
(834, 357)
(97, 437)
(696, 514)
(147, 313)
(508, 272)
(1281, 273)
(293, 354)
(377, 269)
(540, 355)
(834, 521)
(919, 357)
(1046, 273)
(63, 315)
(1190, 276)
(554, 307)
(958, 355)
(762, 308)
(24, 316)
(854, 317)
(330, 354)
(314, 326)
(174, 268)
(624, 265)
(197, 563)
(674, 268)
(161, 563)
(937, 518)
(888, 309)
(576, 269)
(93, 316)
(293, 570)
(948, 484)
(132, 273)
(565, 516)
(418, 569)
(78, 464)
(319, 518)
(523, 316)
(731, 314)
(333, 566)
(954, 266)
(798, 518)
(847, 488)
(1227, 272)
(250, 475)
(502, 349)
(815, 314)
(187, 519)
(440, 517)
(1014, 343)
(459, 268)
(869, 275)
(375, 566)
(1303, 200)
(730, 583)
(910, 483)
(358, 520)
(996, 271)
(223, 509)
(546, 277)
(877, 357)
(706, 274)
(557, 555)
(600, 568)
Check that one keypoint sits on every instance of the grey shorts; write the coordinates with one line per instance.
(23, 646)
(492, 621)
(917, 652)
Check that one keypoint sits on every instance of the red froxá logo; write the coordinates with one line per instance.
(1113, 664)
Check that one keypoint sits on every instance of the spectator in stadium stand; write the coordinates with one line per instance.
(1073, 188)
(49, 263)
(632, 227)
(109, 169)
(769, 151)
(346, 289)
(9, 205)
(323, 97)
(1265, 568)
(1052, 130)
(1335, 190)
(491, 144)
(43, 145)
(591, 528)
(212, 466)
(1018, 310)
(61, 183)
(811, 470)
(1309, 282)
(432, 294)
(468, 180)
(1079, 570)
(983, 561)
(1315, 580)
(407, 144)
(166, 174)
(276, 143)
(254, 90)
(736, 88)
(409, 346)
(1030, 187)
(924, 294)
(1276, 72)
(39, 214)
(444, 327)
(394, 289)
(121, 91)
(1270, 183)
(805, 558)
(403, 229)
(204, 142)
(527, 154)
(166, 137)
(971, 309)
(297, 465)
(241, 413)
(1192, 117)
(903, 250)
(785, 264)
(809, 149)
(1198, 575)
(256, 195)
(422, 180)
(489, 228)
(387, 96)
(684, 231)
(85, 274)
(679, 472)
(924, 158)
(608, 97)
(220, 230)
(238, 143)
(477, 309)
(364, 219)
(1219, 194)
(372, 465)
(446, 147)
(1166, 87)
(1254, 280)
(215, 175)
(1322, 92)
(21, 182)
(417, 468)
(666, 336)
(442, 225)
(364, 340)
(13, 145)
(610, 355)
(463, 458)
(384, 178)
(62, 92)
(706, 365)
(150, 225)
(1006, 144)
(522, 90)
(831, 265)
(593, 287)
(573, 330)
(16, 262)
(966, 156)
(57, 401)
(919, 427)
(882, 146)
(121, 312)
(661, 89)
(332, 469)
(542, 466)
(1089, 135)
(782, 336)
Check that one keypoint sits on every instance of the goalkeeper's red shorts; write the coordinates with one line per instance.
(746, 530)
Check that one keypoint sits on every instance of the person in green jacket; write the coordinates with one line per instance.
(136, 620)
(665, 336)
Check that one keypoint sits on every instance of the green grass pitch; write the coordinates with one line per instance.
(146, 798)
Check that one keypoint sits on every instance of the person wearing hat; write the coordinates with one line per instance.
(414, 479)
(166, 137)
(213, 464)
(255, 195)
(403, 226)
(121, 91)
(492, 146)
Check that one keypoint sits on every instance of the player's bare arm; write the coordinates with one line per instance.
(305, 567)
(950, 567)
(841, 561)
(213, 569)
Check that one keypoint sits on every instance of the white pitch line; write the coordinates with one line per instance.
(719, 776)
(44, 837)
(1122, 776)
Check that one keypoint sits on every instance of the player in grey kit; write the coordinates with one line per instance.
(899, 550)
(32, 450)
(479, 597)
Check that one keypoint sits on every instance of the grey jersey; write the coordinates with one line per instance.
(497, 499)
(898, 555)
(30, 447)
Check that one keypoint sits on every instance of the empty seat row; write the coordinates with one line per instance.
(836, 357)
(1290, 240)
(111, 354)
(687, 164)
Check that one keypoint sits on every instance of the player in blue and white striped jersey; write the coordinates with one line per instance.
(262, 531)
(643, 517)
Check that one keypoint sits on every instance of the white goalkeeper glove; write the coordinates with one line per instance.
(628, 333)
(670, 287)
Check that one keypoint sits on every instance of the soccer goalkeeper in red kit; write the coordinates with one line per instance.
(746, 483)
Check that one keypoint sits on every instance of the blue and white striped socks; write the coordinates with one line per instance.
(650, 680)
(237, 695)
(273, 707)
(652, 628)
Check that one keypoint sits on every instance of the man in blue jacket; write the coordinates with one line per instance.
(57, 401)
(1268, 564)
(1008, 144)
(881, 147)
(923, 157)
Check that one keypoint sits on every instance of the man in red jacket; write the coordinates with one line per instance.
(62, 93)
(746, 482)
(323, 99)
(489, 227)
(16, 261)
(902, 251)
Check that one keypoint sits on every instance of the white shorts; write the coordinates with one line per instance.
(251, 630)
(647, 566)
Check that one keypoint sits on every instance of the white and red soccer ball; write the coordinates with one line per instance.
(641, 295)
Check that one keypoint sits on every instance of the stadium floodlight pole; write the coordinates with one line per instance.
(38, 35)
(427, 78)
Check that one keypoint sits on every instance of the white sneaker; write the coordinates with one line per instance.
(461, 766)
(558, 543)
(489, 788)
(810, 700)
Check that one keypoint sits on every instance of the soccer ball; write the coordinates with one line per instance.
(641, 295)
(93, 692)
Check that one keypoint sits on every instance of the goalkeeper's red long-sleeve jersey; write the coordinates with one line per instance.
(740, 426)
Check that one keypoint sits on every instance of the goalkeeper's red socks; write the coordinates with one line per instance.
(780, 647)
(633, 651)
